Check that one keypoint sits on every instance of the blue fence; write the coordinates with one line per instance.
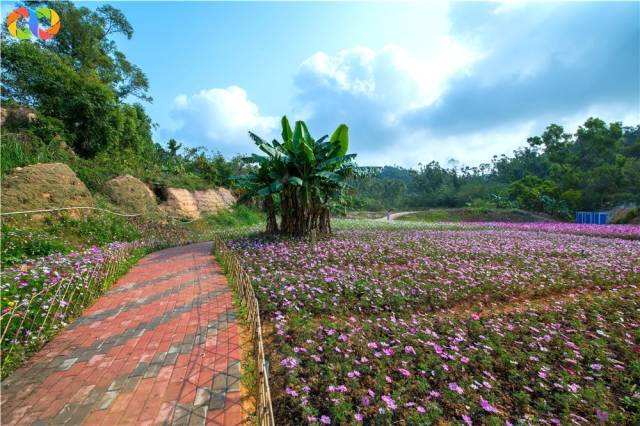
(595, 218)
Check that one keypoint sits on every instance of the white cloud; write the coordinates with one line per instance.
(220, 119)
(371, 90)
(391, 75)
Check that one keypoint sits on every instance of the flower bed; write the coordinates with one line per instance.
(358, 336)
(43, 295)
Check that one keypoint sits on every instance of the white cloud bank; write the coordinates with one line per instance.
(220, 118)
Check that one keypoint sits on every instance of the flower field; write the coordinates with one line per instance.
(468, 324)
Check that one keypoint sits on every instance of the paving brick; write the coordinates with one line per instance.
(160, 347)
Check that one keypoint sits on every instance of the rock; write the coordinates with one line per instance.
(45, 186)
(180, 203)
(131, 194)
(209, 201)
(227, 197)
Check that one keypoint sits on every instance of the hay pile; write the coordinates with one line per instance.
(44, 186)
(131, 195)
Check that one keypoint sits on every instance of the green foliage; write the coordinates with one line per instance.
(240, 216)
(62, 234)
(19, 244)
(80, 79)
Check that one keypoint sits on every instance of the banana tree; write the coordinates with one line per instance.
(304, 174)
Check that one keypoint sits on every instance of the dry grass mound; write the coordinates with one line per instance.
(45, 186)
(131, 195)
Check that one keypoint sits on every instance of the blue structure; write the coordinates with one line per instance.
(594, 218)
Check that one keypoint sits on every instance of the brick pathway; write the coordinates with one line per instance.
(161, 347)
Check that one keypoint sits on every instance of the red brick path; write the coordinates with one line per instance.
(161, 347)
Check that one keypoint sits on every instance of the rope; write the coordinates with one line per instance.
(70, 208)
(181, 222)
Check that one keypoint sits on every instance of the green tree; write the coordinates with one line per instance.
(81, 79)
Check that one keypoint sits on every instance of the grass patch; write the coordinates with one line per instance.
(475, 214)
(239, 216)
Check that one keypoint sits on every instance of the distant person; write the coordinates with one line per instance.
(388, 215)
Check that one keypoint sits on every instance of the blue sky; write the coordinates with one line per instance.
(414, 81)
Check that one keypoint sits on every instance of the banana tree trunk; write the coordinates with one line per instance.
(272, 223)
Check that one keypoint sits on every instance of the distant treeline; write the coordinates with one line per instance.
(558, 173)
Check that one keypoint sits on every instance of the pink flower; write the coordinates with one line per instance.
(325, 420)
(467, 420)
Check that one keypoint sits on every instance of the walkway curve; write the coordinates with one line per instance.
(160, 347)
(396, 216)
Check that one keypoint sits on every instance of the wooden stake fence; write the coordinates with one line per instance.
(242, 284)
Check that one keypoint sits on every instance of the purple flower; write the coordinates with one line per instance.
(467, 420)
(486, 406)
(325, 420)
(454, 387)
(404, 372)
(602, 415)
(596, 367)
(359, 417)
(409, 350)
(391, 404)
(289, 362)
